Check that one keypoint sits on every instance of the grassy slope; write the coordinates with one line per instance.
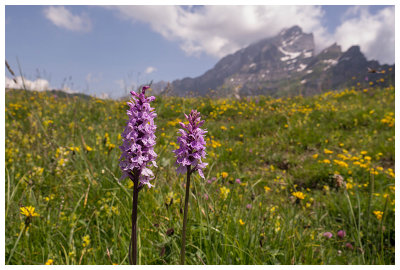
(62, 158)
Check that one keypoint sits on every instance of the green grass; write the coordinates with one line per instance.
(62, 158)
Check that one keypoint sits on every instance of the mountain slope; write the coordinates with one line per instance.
(281, 65)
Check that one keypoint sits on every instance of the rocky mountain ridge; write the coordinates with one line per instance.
(282, 65)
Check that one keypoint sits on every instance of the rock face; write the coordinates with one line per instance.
(279, 66)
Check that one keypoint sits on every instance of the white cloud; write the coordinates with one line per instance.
(93, 77)
(62, 17)
(150, 70)
(375, 33)
(220, 30)
(38, 84)
(68, 90)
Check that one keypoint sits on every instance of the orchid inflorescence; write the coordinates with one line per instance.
(191, 145)
(139, 139)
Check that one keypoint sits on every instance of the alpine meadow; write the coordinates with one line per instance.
(296, 180)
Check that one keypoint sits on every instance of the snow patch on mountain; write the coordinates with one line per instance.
(307, 54)
(288, 55)
(301, 67)
(330, 62)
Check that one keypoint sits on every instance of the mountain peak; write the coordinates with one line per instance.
(334, 47)
(291, 31)
(354, 49)
(353, 52)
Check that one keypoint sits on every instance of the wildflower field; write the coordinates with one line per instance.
(289, 181)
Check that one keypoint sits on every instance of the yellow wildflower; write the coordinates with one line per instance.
(224, 174)
(224, 192)
(299, 195)
(327, 151)
(327, 161)
(315, 156)
(29, 211)
(378, 214)
(341, 163)
(267, 189)
(48, 122)
(169, 198)
(51, 197)
(341, 156)
(49, 262)
(277, 225)
(241, 222)
(373, 171)
(86, 241)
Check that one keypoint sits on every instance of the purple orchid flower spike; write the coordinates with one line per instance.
(192, 145)
(139, 139)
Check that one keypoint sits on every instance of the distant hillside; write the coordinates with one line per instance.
(58, 93)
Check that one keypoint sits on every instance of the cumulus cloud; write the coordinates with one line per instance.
(62, 17)
(38, 84)
(375, 33)
(150, 70)
(220, 30)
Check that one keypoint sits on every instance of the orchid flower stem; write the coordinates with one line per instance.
(183, 245)
(133, 251)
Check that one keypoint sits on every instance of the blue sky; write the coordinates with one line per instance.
(98, 49)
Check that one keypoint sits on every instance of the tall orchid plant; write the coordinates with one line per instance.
(138, 153)
(191, 151)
